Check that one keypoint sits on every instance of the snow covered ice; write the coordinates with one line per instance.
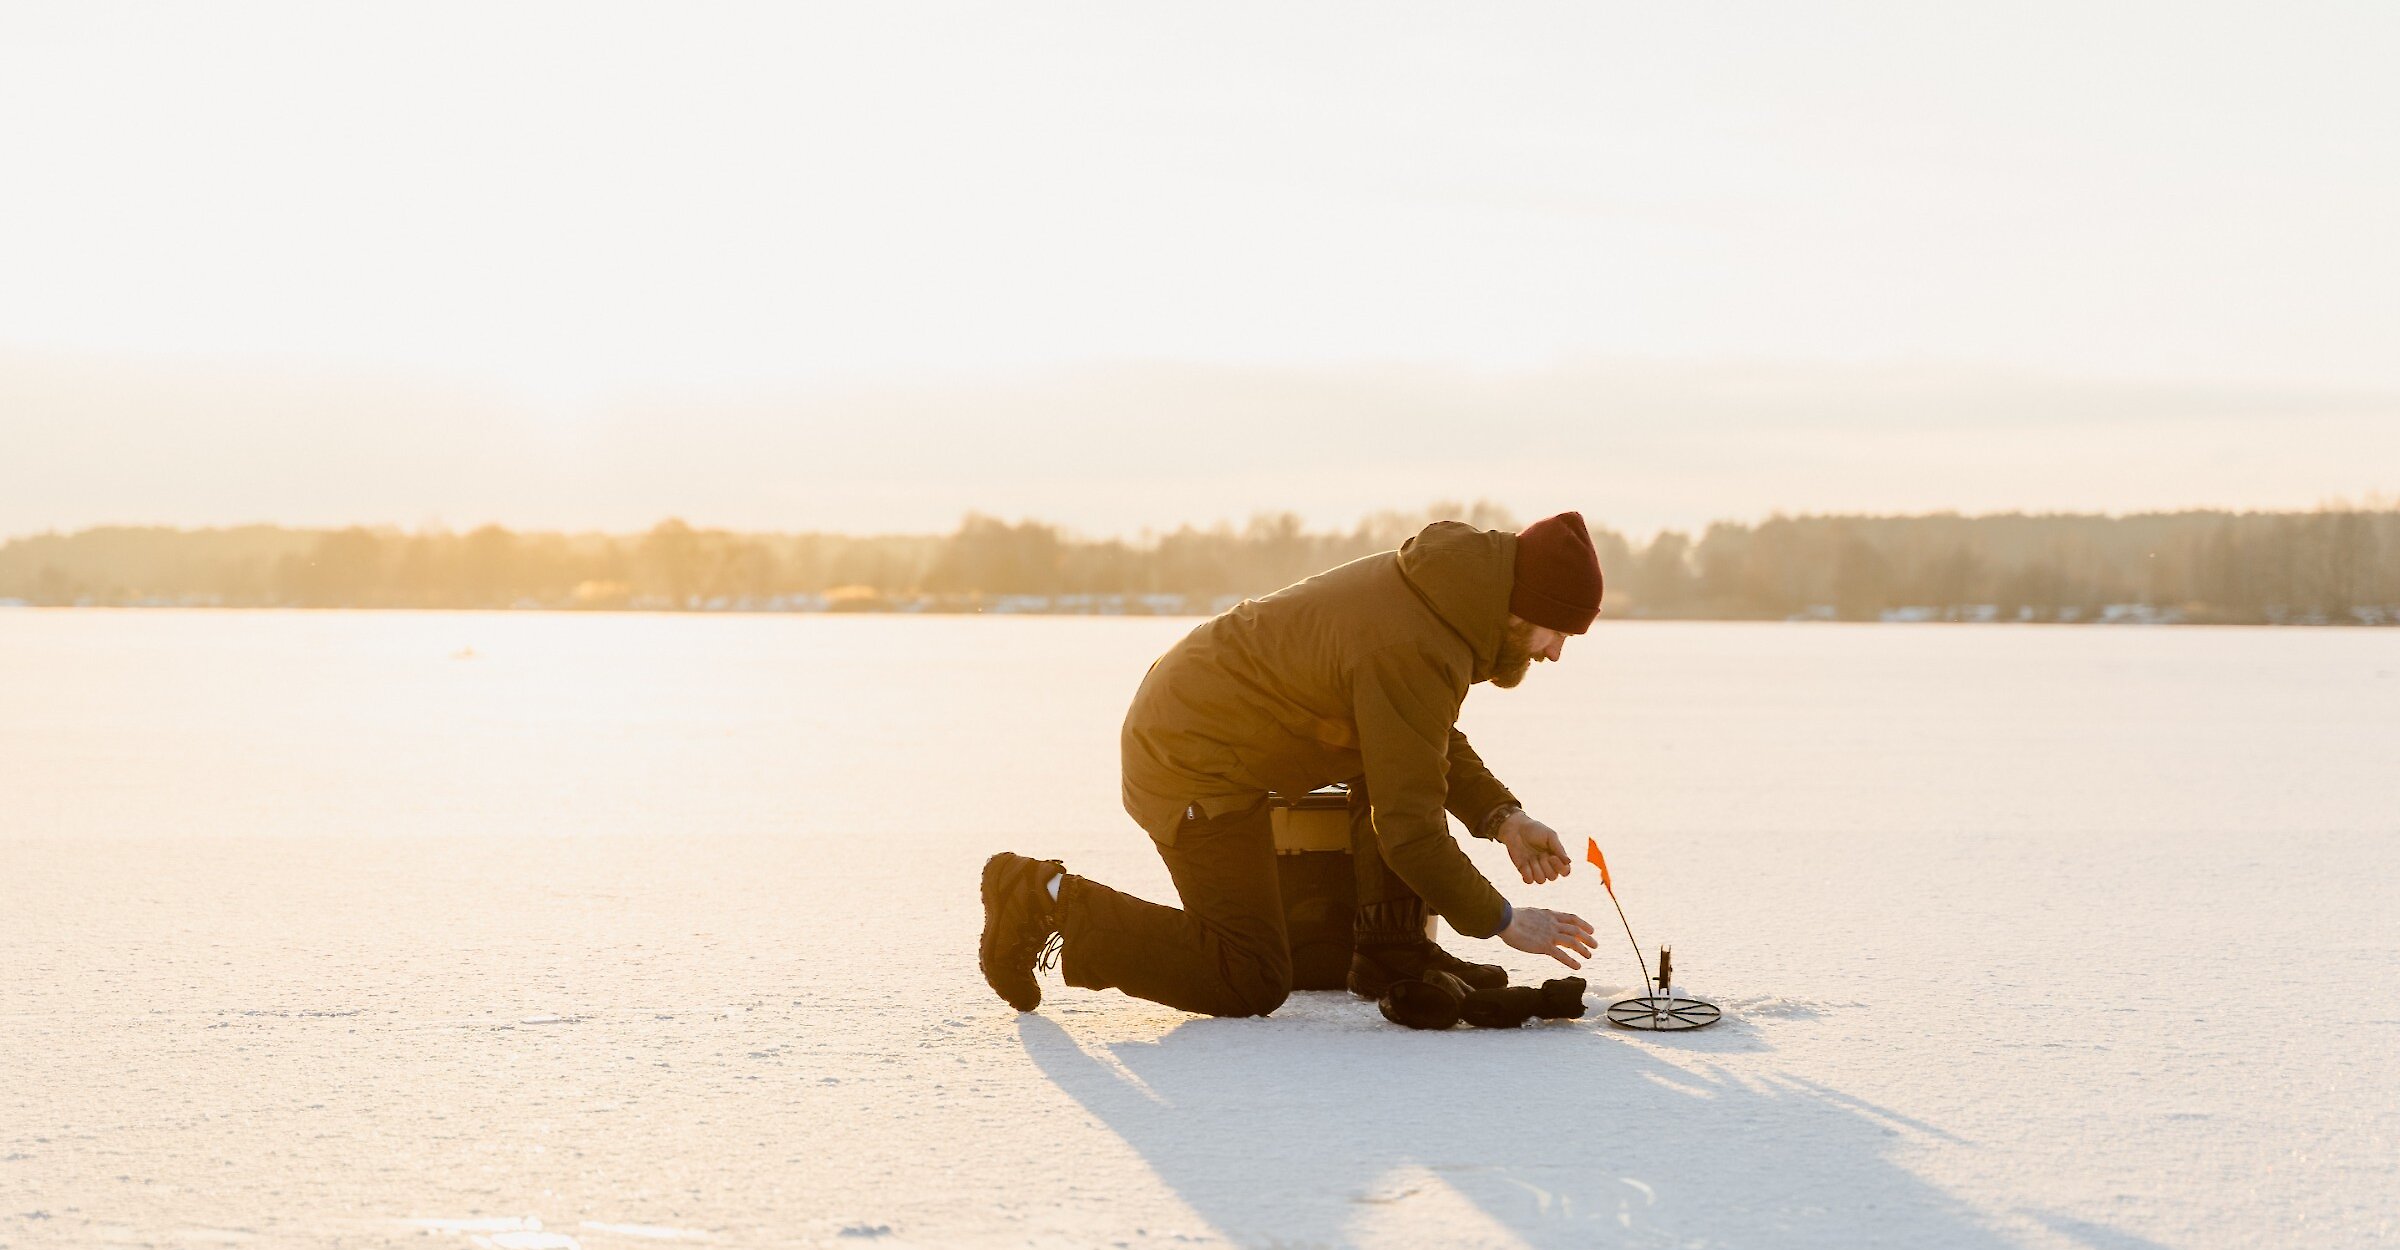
(659, 931)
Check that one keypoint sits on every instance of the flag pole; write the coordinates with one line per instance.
(1592, 853)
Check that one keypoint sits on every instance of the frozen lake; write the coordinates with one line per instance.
(534, 931)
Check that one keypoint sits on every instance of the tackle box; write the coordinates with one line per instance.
(1319, 885)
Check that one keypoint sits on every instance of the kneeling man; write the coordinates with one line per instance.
(1355, 674)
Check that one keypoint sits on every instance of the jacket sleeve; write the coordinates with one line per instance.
(1474, 792)
(1406, 705)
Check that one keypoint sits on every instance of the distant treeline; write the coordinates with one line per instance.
(2336, 565)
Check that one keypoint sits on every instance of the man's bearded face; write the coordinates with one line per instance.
(1516, 655)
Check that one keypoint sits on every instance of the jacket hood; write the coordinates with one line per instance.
(1464, 574)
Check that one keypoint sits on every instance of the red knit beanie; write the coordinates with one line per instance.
(1558, 575)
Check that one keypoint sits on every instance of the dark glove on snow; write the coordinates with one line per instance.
(1562, 999)
(1429, 1002)
(1500, 1009)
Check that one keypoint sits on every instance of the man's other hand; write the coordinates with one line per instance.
(1553, 933)
(1534, 848)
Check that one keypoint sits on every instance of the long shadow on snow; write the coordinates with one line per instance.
(1284, 1131)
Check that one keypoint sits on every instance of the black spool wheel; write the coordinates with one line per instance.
(1672, 1014)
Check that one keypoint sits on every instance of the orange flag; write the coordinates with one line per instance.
(1592, 853)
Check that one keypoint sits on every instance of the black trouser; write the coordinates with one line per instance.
(1225, 953)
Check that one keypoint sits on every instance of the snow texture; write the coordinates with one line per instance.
(658, 931)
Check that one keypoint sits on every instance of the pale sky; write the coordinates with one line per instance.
(1122, 265)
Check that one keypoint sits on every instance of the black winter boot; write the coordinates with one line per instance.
(1389, 935)
(1430, 1002)
(1020, 926)
(1376, 966)
(1477, 976)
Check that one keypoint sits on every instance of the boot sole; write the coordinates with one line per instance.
(994, 891)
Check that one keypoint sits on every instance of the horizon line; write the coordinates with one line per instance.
(2372, 502)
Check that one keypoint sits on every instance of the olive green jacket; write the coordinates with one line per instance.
(1358, 670)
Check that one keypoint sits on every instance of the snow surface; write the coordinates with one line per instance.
(658, 931)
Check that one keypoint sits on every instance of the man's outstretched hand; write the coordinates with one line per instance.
(1534, 848)
(1540, 856)
(1553, 933)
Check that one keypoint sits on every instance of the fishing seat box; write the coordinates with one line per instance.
(1320, 890)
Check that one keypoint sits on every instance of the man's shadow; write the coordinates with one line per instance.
(1310, 1127)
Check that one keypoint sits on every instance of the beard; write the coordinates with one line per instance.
(1515, 658)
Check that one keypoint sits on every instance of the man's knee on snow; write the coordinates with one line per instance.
(1258, 987)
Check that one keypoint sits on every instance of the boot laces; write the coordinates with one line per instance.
(1047, 957)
